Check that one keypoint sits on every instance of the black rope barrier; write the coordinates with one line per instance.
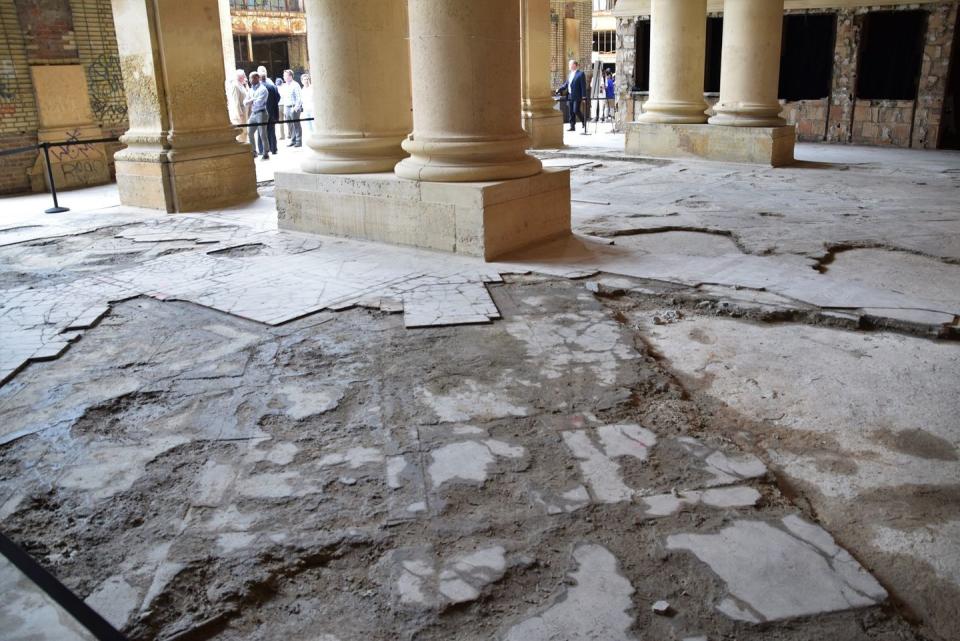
(274, 122)
(45, 148)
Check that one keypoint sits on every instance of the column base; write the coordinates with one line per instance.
(348, 154)
(485, 219)
(771, 146)
(674, 113)
(545, 130)
(193, 181)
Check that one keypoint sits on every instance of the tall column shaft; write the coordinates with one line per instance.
(541, 120)
(360, 68)
(226, 37)
(182, 153)
(678, 37)
(750, 72)
(465, 57)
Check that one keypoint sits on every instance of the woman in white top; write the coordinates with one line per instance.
(306, 97)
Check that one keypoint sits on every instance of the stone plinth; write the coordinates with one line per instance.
(486, 219)
(771, 146)
(545, 129)
(184, 182)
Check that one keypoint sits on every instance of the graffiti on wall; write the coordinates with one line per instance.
(106, 89)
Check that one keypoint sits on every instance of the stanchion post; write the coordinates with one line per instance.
(56, 209)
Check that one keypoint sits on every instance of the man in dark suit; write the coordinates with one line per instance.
(273, 107)
(576, 86)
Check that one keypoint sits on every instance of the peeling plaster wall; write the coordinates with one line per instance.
(841, 117)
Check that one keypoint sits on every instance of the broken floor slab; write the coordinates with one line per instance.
(333, 509)
(242, 265)
(228, 532)
(28, 613)
(597, 588)
(782, 571)
(830, 410)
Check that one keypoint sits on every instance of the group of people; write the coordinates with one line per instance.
(577, 90)
(264, 103)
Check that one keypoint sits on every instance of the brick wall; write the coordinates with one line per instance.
(18, 111)
(626, 67)
(844, 82)
(810, 117)
(934, 75)
(560, 10)
(34, 32)
(882, 122)
(97, 48)
(47, 27)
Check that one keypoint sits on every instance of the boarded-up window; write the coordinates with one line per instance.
(806, 60)
(711, 71)
(891, 53)
(641, 70)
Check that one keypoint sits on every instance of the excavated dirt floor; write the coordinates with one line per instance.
(570, 447)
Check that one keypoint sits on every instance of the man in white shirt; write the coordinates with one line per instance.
(237, 105)
(257, 98)
(292, 107)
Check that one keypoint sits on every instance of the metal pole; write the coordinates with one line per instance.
(56, 209)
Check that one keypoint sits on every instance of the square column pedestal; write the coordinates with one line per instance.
(193, 182)
(771, 146)
(546, 132)
(485, 219)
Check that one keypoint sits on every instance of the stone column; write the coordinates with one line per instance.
(541, 121)
(359, 65)
(750, 74)
(226, 37)
(465, 57)
(678, 35)
(182, 153)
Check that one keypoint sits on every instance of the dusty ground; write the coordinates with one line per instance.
(609, 442)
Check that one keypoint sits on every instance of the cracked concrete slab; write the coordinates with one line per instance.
(829, 410)
(28, 613)
(595, 606)
(793, 569)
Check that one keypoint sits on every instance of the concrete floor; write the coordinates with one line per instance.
(734, 391)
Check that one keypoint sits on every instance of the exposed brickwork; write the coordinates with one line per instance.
(934, 75)
(842, 118)
(18, 112)
(626, 67)
(843, 91)
(810, 117)
(560, 10)
(97, 45)
(882, 122)
(79, 32)
(13, 169)
(48, 30)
